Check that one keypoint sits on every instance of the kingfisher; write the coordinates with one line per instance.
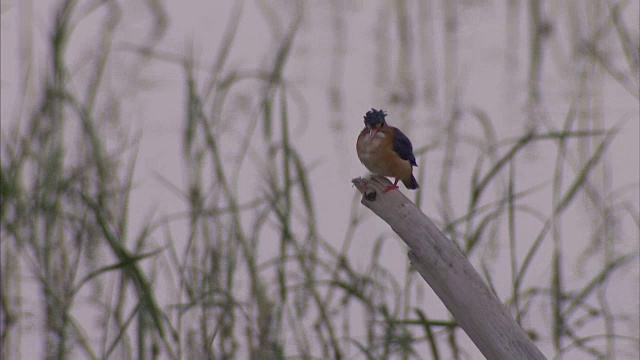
(385, 150)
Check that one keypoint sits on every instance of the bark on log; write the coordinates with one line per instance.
(450, 274)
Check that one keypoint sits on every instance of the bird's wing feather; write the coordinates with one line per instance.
(403, 147)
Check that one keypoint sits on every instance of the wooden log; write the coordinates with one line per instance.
(450, 274)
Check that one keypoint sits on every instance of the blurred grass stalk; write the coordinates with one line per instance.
(254, 276)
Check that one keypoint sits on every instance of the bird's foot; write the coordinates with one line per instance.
(389, 188)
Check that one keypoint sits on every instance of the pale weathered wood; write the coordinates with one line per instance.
(451, 276)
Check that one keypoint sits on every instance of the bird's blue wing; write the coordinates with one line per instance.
(403, 147)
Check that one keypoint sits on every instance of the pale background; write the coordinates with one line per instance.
(347, 57)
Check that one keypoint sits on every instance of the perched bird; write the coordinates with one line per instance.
(386, 151)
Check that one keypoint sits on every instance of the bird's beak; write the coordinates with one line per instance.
(372, 132)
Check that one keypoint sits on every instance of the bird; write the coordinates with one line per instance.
(385, 150)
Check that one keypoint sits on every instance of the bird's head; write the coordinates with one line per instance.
(374, 120)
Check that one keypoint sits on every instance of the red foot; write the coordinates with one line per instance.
(389, 188)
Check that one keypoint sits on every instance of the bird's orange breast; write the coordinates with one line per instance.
(377, 155)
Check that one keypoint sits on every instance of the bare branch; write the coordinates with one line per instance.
(451, 276)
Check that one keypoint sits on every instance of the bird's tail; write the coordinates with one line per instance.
(411, 183)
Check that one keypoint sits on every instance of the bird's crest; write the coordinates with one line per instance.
(374, 118)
